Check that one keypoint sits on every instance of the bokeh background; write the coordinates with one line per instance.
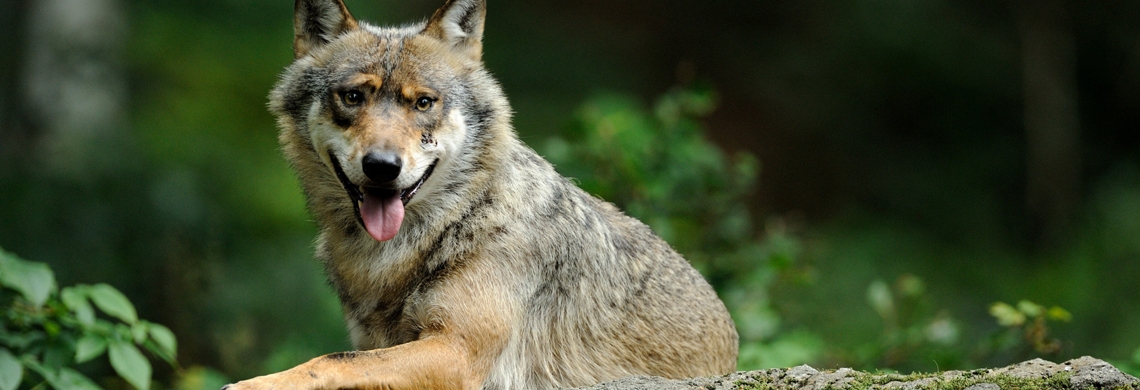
(893, 168)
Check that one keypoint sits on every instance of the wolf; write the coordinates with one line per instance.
(462, 260)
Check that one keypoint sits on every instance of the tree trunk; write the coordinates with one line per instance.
(74, 86)
(13, 136)
(1051, 119)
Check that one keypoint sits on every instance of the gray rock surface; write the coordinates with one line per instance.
(1076, 374)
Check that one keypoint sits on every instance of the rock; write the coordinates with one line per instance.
(1076, 374)
(984, 386)
(1096, 373)
(1033, 369)
(650, 382)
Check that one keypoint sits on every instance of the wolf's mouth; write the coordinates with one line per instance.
(377, 208)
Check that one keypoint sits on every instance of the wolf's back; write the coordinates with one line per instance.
(608, 297)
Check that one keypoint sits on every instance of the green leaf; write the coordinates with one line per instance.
(23, 339)
(69, 379)
(139, 332)
(1058, 313)
(1006, 315)
(49, 374)
(34, 280)
(75, 298)
(130, 364)
(164, 338)
(1030, 309)
(89, 347)
(52, 328)
(10, 370)
(113, 302)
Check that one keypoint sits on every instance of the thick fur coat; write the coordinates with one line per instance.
(461, 258)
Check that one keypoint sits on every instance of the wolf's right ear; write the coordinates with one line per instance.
(459, 23)
(317, 22)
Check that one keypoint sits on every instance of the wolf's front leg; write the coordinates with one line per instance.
(432, 363)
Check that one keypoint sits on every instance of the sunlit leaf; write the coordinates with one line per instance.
(164, 338)
(113, 302)
(130, 364)
(89, 347)
(48, 373)
(139, 332)
(34, 280)
(69, 379)
(1030, 309)
(21, 340)
(1058, 313)
(11, 371)
(75, 298)
(1006, 315)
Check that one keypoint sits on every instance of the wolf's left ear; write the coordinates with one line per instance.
(317, 22)
(460, 24)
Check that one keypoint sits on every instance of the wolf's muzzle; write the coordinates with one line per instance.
(379, 209)
(381, 167)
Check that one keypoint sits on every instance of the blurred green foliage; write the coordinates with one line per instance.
(657, 166)
(865, 248)
(46, 331)
(1130, 366)
(891, 212)
(913, 329)
(1028, 322)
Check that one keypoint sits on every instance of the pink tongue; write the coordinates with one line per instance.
(382, 216)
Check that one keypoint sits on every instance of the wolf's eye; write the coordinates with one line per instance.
(424, 103)
(352, 98)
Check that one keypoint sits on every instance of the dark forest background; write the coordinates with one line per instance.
(918, 161)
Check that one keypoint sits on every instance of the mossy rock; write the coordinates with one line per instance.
(1077, 374)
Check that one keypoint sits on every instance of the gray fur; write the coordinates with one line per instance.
(552, 286)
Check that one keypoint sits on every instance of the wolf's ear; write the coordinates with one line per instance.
(317, 22)
(460, 24)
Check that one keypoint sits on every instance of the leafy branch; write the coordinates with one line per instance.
(1030, 320)
(45, 331)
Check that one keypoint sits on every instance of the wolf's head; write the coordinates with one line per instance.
(381, 108)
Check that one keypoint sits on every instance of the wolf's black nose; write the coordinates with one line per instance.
(381, 167)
